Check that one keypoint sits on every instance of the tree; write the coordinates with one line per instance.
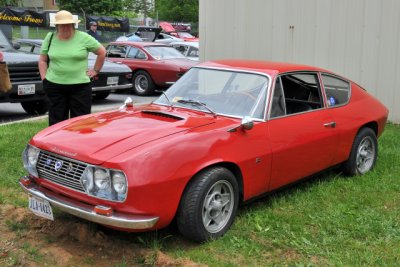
(11, 3)
(178, 10)
(98, 7)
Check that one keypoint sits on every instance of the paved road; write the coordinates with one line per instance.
(10, 112)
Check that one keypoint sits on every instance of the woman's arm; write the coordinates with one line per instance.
(42, 66)
(101, 55)
(1, 56)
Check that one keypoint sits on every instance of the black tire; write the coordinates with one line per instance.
(101, 95)
(37, 107)
(363, 153)
(209, 204)
(143, 84)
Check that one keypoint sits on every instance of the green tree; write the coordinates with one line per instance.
(98, 7)
(11, 3)
(178, 10)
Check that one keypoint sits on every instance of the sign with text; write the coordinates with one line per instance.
(109, 24)
(23, 17)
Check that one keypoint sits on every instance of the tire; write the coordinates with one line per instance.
(37, 107)
(209, 204)
(101, 95)
(142, 83)
(363, 153)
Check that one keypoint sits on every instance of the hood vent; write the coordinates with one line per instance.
(162, 114)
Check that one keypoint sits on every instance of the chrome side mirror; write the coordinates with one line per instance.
(128, 103)
(246, 124)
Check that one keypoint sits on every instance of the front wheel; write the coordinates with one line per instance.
(363, 153)
(143, 84)
(37, 107)
(209, 204)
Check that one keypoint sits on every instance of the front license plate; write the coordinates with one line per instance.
(41, 207)
(112, 80)
(26, 89)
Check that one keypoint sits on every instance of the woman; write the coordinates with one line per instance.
(63, 68)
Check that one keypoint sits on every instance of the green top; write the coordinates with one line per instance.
(68, 59)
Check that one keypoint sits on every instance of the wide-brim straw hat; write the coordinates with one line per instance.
(64, 17)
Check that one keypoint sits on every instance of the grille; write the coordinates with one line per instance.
(69, 174)
(24, 72)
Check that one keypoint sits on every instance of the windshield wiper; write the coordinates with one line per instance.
(164, 94)
(197, 103)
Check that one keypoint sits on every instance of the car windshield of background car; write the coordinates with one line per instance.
(163, 52)
(229, 93)
(4, 43)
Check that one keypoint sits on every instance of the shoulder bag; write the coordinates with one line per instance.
(5, 82)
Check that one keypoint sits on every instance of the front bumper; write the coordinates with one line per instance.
(86, 211)
(111, 87)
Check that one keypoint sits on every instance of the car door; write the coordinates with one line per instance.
(301, 130)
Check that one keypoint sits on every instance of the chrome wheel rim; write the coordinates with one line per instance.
(141, 83)
(218, 206)
(365, 155)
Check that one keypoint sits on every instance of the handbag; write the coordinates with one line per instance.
(48, 49)
(5, 82)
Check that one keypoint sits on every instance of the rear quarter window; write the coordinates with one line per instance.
(337, 91)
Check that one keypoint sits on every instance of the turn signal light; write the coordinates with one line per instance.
(25, 181)
(103, 210)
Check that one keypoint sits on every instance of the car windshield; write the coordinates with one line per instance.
(4, 43)
(223, 92)
(163, 52)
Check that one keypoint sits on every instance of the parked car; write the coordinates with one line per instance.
(188, 49)
(147, 34)
(169, 29)
(112, 76)
(167, 39)
(152, 64)
(25, 79)
(225, 133)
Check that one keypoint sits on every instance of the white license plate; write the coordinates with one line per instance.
(112, 80)
(26, 89)
(41, 207)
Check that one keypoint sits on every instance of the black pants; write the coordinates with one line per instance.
(67, 100)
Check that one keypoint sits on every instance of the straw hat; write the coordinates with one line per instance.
(65, 17)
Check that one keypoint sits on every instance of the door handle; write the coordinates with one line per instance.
(331, 124)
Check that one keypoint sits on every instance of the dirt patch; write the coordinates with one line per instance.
(28, 240)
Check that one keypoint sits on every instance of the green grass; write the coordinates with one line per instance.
(330, 220)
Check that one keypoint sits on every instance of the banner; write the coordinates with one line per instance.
(22, 17)
(108, 23)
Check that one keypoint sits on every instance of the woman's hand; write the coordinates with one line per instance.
(92, 73)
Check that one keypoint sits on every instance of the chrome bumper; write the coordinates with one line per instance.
(112, 87)
(87, 212)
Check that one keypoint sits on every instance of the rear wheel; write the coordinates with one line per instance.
(142, 83)
(209, 204)
(363, 153)
(101, 95)
(37, 107)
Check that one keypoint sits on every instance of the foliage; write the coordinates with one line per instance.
(178, 10)
(99, 7)
(11, 3)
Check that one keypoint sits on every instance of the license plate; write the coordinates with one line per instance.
(26, 89)
(112, 80)
(41, 207)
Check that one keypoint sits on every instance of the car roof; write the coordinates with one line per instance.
(195, 44)
(139, 44)
(268, 67)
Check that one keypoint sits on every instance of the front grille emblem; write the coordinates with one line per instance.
(58, 165)
(70, 168)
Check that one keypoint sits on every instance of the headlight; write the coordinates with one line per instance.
(102, 179)
(30, 157)
(119, 182)
(87, 180)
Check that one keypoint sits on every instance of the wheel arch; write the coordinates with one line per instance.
(372, 124)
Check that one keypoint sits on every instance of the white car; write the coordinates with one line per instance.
(167, 39)
(189, 49)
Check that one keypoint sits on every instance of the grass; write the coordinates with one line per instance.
(330, 220)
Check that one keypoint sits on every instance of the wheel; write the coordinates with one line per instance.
(209, 204)
(37, 107)
(363, 153)
(101, 95)
(143, 84)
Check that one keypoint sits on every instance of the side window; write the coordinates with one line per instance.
(132, 52)
(337, 91)
(278, 100)
(141, 55)
(116, 51)
(296, 93)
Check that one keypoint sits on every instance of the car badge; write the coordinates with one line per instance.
(48, 162)
(58, 165)
(70, 168)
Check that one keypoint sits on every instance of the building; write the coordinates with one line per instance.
(40, 4)
(359, 39)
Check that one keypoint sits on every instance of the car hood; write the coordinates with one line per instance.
(98, 137)
(11, 56)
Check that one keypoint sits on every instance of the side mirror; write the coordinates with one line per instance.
(128, 103)
(16, 46)
(246, 124)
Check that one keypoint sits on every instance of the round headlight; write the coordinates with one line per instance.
(119, 183)
(102, 179)
(33, 154)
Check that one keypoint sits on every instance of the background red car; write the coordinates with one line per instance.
(153, 65)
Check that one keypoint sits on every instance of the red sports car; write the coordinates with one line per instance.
(226, 132)
(153, 65)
